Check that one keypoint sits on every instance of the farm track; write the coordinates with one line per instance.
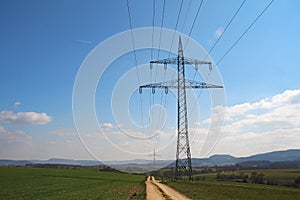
(158, 191)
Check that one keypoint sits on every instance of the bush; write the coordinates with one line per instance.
(271, 181)
(241, 177)
(257, 178)
(297, 182)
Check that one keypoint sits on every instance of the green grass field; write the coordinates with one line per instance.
(82, 183)
(208, 190)
(89, 183)
(279, 176)
(208, 187)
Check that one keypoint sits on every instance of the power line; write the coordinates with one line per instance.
(228, 24)
(193, 24)
(249, 27)
(161, 25)
(178, 16)
(151, 96)
(199, 7)
(186, 15)
(135, 59)
(192, 27)
(234, 44)
(158, 53)
(231, 20)
(153, 21)
(131, 33)
(161, 99)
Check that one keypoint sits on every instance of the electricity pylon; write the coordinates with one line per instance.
(154, 155)
(183, 153)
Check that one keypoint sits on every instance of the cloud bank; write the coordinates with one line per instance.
(266, 125)
(24, 118)
(10, 137)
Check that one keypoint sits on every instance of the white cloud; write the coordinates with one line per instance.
(249, 143)
(27, 118)
(9, 137)
(266, 125)
(249, 128)
(287, 98)
(16, 104)
(16, 144)
(61, 132)
(107, 126)
(218, 32)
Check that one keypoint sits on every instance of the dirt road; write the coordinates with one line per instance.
(157, 191)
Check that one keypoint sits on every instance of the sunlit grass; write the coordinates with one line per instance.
(83, 183)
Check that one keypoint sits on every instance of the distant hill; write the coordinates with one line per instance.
(5, 162)
(215, 160)
(268, 164)
(67, 162)
(223, 160)
(277, 157)
(287, 155)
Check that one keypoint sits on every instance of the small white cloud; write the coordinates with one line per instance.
(219, 32)
(107, 126)
(83, 41)
(16, 104)
(27, 118)
(61, 132)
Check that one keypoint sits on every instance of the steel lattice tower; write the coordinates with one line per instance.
(183, 153)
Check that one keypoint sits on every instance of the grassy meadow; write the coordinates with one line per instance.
(80, 183)
(223, 190)
(207, 186)
(90, 183)
(281, 177)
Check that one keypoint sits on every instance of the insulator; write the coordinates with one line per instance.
(165, 66)
(210, 67)
(151, 65)
(166, 90)
(153, 90)
(140, 90)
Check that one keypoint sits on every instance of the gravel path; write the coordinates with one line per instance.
(152, 192)
(156, 191)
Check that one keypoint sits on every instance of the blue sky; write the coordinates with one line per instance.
(43, 44)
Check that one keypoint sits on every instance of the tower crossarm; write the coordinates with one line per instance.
(172, 84)
(202, 85)
(164, 61)
(190, 61)
(185, 61)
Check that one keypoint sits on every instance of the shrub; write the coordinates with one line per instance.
(257, 178)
